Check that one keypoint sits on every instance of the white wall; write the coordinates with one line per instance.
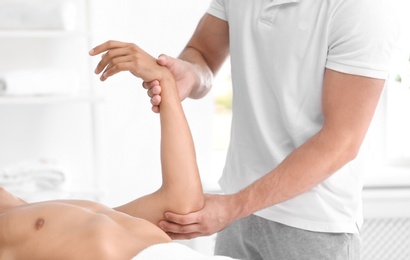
(130, 131)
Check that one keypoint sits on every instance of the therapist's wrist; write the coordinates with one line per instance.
(240, 205)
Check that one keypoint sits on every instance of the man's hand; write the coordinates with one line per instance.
(219, 211)
(185, 74)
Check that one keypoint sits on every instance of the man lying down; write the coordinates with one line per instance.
(76, 229)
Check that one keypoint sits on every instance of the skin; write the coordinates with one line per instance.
(348, 104)
(76, 229)
(200, 60)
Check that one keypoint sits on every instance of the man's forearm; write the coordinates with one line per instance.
(201, 73)
(207, 50)
(303, 169)
(348, 106)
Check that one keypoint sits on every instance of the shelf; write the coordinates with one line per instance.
(40, 34)
(45, 100)
(46, 195)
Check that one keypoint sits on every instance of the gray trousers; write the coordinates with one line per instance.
(255, 238)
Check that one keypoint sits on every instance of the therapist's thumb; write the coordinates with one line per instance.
(165, 60)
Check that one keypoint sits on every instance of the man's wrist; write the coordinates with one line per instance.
(202, 79)
(240, 205)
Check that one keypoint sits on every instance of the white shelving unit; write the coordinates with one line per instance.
(59, 127)
(41, 34)
(43, 100)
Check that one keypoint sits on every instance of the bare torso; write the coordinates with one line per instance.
(74, 230)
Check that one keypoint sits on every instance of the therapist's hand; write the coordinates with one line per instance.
(219, 211)
(185, 75)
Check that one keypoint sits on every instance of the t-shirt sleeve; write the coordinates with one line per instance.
(217, 9)
(362, 35)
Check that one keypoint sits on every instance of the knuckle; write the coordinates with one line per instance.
(156, 89)
(110, 43)
(206, 229)
(115, 60)
(134, 47)
(186, 229)
(107, 56)
(184, 220)
(120, 67)
(183, 229)
(166, 226)
(135, 58)
(203, 218)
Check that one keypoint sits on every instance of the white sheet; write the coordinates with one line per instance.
(174, 251)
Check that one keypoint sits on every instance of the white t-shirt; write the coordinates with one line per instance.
(279, 50)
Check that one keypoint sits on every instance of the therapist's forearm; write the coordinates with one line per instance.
(201, 74)
(348, 105)
(303, 169)
(207, 50)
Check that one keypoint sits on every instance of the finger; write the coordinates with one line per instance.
(179, 229)
(156, 100)
(174, 236)
(154, 83)
(110, 57)
(191, 218)
(106, 46)
(155, 90)
(155, 109)
(117, 61)
(165, 61)
(148, 85)
(162, 59)
(125, 66)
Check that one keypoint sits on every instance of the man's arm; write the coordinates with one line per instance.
(181, 190)
(348, 104)
(200, 60)
(207, 49)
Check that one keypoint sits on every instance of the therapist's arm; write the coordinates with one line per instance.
(348, 104)
(181, 189)
(199, 61)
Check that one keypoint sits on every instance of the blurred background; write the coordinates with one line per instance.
(65, 134)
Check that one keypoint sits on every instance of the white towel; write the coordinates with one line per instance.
(38, 14)
(30, 82)
(174, 251)
(41, 174)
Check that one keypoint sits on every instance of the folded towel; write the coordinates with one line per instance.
(37, 14)
(43, 174)
(174, 251)
(39, 82)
